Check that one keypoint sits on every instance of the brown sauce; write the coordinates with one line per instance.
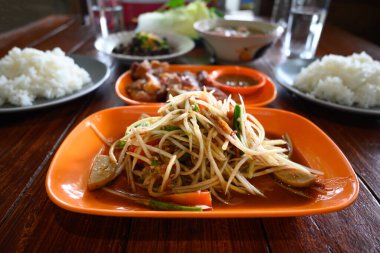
(236, 80)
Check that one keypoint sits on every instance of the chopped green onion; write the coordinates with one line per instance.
(155, 204)
(237, 118)
(184, 157)
(159, 205)
(143, 124)
(170, 128)
(175, 3)
(155, 162)
(120, 144)
(196, 108)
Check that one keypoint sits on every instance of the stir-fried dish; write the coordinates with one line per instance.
(144, 44)
(152, 82)
(196, 148)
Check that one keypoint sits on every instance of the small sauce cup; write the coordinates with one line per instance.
(234, 79)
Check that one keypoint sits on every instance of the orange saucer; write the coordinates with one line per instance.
(253, 74)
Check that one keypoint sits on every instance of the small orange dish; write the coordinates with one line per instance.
(241, 80)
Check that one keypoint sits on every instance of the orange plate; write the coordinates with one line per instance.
(66, 179)
(262, 97)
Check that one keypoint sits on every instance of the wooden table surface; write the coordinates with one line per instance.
(30, 222)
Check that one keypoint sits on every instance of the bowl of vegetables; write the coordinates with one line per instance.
(237, 40)
(144, 44)
(177, 16)
(138, 46)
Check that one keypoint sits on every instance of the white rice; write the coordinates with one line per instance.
(29, 73)
(353, 80)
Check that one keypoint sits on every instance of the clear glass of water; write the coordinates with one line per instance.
(305, 23)
(280, 12)
(106, 16)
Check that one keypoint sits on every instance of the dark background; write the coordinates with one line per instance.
(361, 17)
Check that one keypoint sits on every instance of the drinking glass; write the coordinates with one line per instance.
(280, 12)
(305, 23)
(106, 16)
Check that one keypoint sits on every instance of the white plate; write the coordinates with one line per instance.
(287, 72)
(180, 44)
(98, 71)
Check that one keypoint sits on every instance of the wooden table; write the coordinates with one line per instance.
(30, 222)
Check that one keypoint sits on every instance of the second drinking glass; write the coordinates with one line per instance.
(305, 23)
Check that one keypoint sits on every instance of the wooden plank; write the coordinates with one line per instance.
(343, 231)
(37, 225)
(355, 229)
(196, 235)
(35, 31)
(68, 39)
(30, 222)
(27, 139)
(338, 41)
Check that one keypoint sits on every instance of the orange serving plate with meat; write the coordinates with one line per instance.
(262, 97)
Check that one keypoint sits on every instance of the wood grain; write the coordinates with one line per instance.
(343, 231)
(30, 222)
(34, 32)
(331, 43)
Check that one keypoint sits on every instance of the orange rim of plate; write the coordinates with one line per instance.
(262, 97)
(68, 172)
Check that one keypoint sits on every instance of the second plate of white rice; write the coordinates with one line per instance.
(350, 84)
(37, 90)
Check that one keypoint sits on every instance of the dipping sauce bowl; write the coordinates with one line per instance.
(235, 79)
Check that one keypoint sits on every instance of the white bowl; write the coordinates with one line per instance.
(180, 45)
(238, 48)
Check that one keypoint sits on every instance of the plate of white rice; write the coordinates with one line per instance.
(348, 83)
(31, 79)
